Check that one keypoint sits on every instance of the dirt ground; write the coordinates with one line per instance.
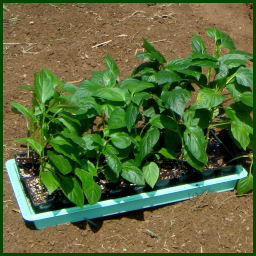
(63, 39)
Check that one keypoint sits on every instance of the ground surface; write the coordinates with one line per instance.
(60, 37)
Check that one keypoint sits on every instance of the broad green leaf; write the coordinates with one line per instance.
(86, 104)
(156, 55)
(151, 173)
(131, 116)
(247, 55)
(223, 40)
(222, 71)
(172, 142)
(191, 73)
(192, 160)
(196, 143)
(143, 66)
(135, 85)
(245, 185)
(89, 167)
(204, 63)
(64, 146)
(198, 44)
(109, 79)
(241, 123)
(112, 94)
(88, 88)
(120, 140)
(91, 189)
(50, 180)
(45, 83)
(239, 112)
(148, 142)
(138, 98)
(68, 87)
(207, 98)
(21, 109)
(72, 127)
(247, 98)
(110, 175)
(240, 133)
(61, 163)
(237, 90)
(167, 76)
(232, 60)
(117, 119)
(32, 143)
(56, 104)
(244, 76)
(113, 162)
(167, 153)
(178, 64)
(111, 65)
(132, 173)
(72, 190)
(176, 99)
(98, 76)
(162, 121)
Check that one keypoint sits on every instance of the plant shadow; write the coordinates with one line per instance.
(96, 224)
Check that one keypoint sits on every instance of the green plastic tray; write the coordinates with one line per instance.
(119, 205)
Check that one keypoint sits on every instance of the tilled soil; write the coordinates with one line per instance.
(65, 38)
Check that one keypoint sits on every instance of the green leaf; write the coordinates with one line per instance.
(151, 173)
(68, 87)
(138, 98)
(113, 161)
(232, 60)
(110, 175)
(89, 167)
(240, 133)
(244, 76)
(60, 162)
(26, 87)
(198, 45)
(135, 85)
(167, 153)
(247, 98)
(196, 143)
(162, 121)
(117, 119)
(247, 55)
(236, 90)
(131, 116)
(113, 94)
(224, 40)
(91, 189)
(207, 98)
(32, 143)
(72, 190)
(178, 64)
(111, 65)
(245, 185)
(98, 76)
(45, 83)
(109, 79)
(50, 180)
(155, 55)
(120, 140)
(167, 76)
(21, 109)
(88, 88)
(148, 142)
(176, 99)
(172, 142)
(65, 147)
(192, 160)
(132, 173)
